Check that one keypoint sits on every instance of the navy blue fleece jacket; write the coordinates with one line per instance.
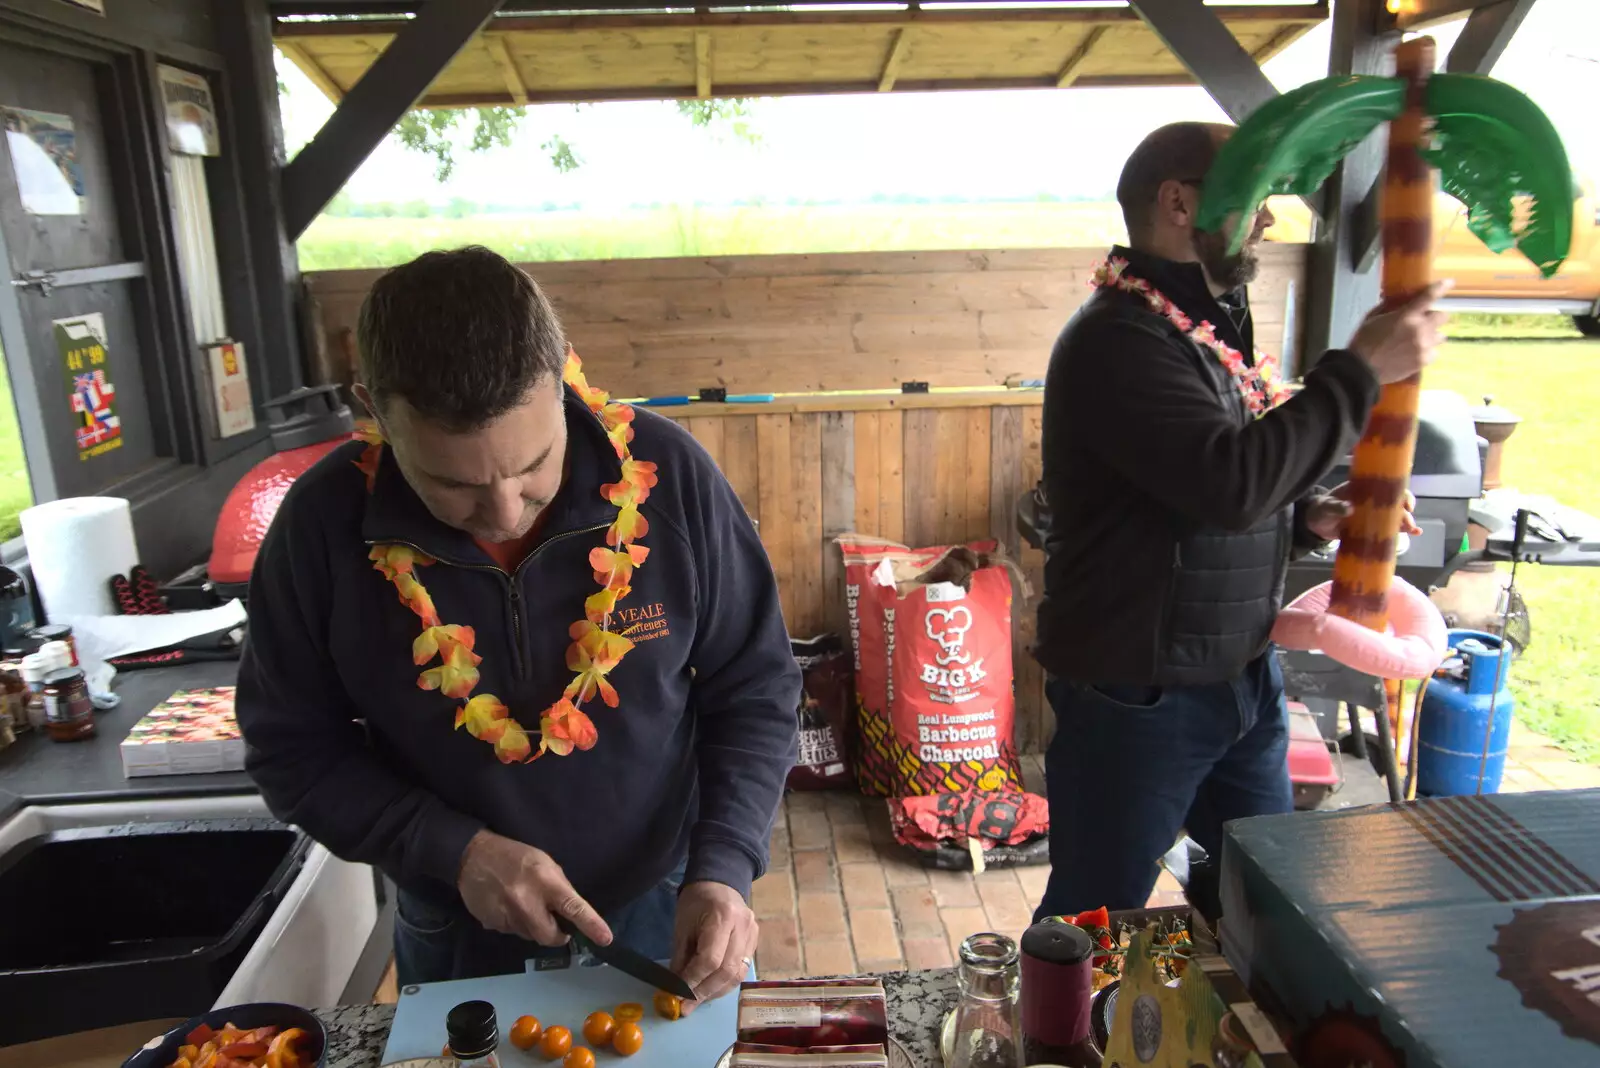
(344, 744)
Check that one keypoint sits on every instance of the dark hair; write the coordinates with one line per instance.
(461, 336)
(1181, 151)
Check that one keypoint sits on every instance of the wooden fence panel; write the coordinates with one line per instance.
(926, 475)
(787, 324)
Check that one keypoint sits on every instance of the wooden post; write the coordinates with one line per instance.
(1363, 569)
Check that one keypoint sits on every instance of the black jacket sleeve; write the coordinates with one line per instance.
(746, 690)
(304, 748)
(1145, 406)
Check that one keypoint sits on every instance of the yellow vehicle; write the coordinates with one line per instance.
(1508, 283)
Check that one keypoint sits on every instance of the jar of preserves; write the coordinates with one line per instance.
(59, 632)
(68, 712)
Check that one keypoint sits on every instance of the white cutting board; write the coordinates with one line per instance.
(563, 995)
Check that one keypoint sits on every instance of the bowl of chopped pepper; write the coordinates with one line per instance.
(262, 1035)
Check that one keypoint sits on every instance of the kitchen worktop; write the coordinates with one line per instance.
(918, 1002)
(37, 771)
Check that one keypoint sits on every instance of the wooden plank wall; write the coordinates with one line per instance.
(799, 324)
(940, 470)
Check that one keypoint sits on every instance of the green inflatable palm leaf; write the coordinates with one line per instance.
(1493, 146)
(1292, 143)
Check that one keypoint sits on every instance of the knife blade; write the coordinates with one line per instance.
(628, 962)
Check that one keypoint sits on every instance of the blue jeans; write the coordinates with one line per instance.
(1130, 767)
(433, 944)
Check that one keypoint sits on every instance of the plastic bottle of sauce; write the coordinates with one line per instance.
(68, 712)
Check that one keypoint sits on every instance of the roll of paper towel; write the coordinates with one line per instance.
(74, 547)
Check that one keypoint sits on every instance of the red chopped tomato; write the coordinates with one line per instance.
(201, 1035)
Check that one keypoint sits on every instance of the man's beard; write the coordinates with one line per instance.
(1229, 272)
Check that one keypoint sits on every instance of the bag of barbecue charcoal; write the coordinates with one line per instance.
(931, 635)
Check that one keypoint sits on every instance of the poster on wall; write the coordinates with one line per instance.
(230, 388)
(191, 114)
(86, 361)
(44, 157)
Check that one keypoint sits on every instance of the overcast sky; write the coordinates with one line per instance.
(973, 145)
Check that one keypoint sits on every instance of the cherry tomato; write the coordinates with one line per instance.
(556, 1042)
(668, 1006)
(578, 1058)
(628, 1040)
(629, 1012)
(525, 1032)
(598, 1029)
(446, 1052)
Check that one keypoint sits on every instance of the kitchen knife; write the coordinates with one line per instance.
(628, 962)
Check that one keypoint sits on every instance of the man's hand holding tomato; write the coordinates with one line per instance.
(519, 890)
(714, 940)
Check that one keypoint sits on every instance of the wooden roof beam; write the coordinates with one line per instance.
(1074, 63)
(395, 81)
(500, 52)
(1193, 32)
(1305, 14)
(1487, 33)
(313, 70)
(896, 57)
(702, 64)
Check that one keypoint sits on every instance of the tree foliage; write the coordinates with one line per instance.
(432, 132)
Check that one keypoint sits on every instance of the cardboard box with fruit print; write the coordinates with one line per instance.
(192, 732)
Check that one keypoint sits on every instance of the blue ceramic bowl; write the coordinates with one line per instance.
(160, 1052)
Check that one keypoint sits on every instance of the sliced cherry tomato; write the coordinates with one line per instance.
(525, 1032)
(598, 1029)
(281, 1053)
(201, 1035)
(246, 1050)
(555, 1044)
(629, 1012)
(181, 1062)
(628, 1040)
(578, 1058)
(668, 1006)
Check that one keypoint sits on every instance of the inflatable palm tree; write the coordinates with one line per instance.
(1494, 150)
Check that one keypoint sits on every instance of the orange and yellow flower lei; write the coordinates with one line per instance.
(1259, 383)
(595, 651)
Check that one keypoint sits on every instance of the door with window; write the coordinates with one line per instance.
(71, 325)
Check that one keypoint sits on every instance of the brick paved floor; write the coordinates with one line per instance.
(841, 897)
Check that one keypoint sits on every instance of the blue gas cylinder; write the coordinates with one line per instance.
(1455, 715)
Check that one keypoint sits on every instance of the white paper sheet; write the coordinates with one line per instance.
(99, 638)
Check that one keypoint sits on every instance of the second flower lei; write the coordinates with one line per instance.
(1259, 385)
(595, 650)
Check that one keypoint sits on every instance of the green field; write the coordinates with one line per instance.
(674, 230)
(15, 493)
(1555, 387)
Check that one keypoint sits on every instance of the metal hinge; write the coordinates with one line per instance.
(43, 281)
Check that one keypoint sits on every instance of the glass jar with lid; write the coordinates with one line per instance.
(68, 712)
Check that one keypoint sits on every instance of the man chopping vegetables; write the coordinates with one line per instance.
(525, 654)
(1180, 476)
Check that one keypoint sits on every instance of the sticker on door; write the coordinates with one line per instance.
(85, 358)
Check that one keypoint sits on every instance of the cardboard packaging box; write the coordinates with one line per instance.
(190, 733)
(1459, 932)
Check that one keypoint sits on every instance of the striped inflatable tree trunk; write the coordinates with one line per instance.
(1364, 565)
